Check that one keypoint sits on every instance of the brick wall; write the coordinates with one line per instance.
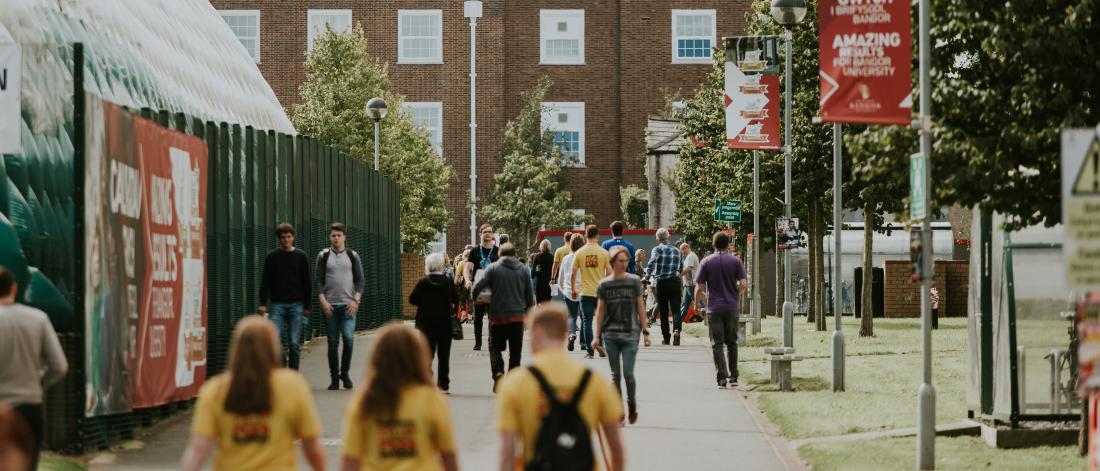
(412, 270)
(902, 298)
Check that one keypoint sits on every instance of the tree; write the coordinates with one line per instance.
(341, 77)
(529, 192)
(634, 204)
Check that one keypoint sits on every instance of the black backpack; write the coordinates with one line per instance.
(564, 442)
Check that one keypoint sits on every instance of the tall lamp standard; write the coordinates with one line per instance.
(787, 13)
(376, 109)
(472, 10)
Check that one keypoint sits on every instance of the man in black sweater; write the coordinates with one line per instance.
(285, 289)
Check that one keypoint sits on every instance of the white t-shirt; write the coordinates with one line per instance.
(564, 277)
(692, 260)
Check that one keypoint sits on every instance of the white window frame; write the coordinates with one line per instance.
(436, 105)
(438, 57)
(713, 36)
(248, 13)
(550, 111)
(311, 14)
(548, 20)
(579, 212)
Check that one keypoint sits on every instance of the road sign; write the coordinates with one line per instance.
(917, 211)
(727, 211)
(1081, 207)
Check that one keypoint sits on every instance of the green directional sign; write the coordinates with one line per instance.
(727, 211)
(917, 210)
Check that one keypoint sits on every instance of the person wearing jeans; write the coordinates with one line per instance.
(285, 291)
(723, 276)
(340, 286)
(691, 262)
(620, 318)
(567, 284)
(590, 265)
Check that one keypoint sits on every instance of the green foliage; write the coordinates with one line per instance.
(529, 191)
(341, 78)
(879, 173)
(634, 204)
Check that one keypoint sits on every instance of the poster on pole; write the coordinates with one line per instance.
(788, 234)
(145, 277)
(11, 72)
(751, 98)
(865, 59)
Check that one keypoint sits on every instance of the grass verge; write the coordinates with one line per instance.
(58, 463)
(952, 453)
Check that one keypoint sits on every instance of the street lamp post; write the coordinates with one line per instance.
(376, 109)
(787, 13)
(926, 394)
(472, 10)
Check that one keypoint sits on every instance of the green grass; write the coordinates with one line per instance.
(57, 463)
(952, 453)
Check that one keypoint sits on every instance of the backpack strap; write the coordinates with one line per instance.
(580, 388)
(545, 386)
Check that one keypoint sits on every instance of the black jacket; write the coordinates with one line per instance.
(434, 297)
(510, 283)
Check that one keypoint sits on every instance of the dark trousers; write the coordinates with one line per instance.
(479, 320)
(668, 302)
(440, 345)
(723, 336)
(32, 413)
(508, 335)
(936, 318)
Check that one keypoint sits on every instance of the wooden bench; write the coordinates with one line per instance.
(781, 359)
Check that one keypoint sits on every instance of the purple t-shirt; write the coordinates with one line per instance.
(719, 274)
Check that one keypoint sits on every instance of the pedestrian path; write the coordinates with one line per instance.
(684, 420)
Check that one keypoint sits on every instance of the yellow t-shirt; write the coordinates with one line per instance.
(592, 261)
(516, 411)
(412, 441)
(561, 253)
(258, 441)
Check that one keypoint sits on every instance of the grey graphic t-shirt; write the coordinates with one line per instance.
(620, 300)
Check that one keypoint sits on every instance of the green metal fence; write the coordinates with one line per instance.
(257, 179)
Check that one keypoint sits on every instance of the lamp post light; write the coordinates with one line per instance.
(472, 10)
(787, 13)
(376, 109)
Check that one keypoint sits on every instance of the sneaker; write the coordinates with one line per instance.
(676, 339)
(733, 383)
(721, 384)
(588, 356)
(335, 384)
(496, 381)
(572, 338)
(664, 341)
(477, 346)
(603, 354)
(632, 409)
(347, 381)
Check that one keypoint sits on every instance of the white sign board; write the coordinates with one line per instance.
(916, 187)
(1081, 206)
(11, 72)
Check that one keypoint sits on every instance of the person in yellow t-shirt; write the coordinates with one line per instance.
(521, 414)
(399, 421)
(560, 254)
(591, 263)
(255, 412)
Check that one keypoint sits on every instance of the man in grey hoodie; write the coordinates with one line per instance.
(512, 296)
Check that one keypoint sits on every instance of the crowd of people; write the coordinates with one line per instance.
(548, 412)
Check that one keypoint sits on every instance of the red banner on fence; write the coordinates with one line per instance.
(865, 60)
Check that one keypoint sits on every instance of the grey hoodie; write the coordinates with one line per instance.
(512, 290)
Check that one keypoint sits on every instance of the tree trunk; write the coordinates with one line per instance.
(867, 322)
(811, 248)
(819, 236)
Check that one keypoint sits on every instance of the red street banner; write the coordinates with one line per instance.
(751, 97)
(865, 57)
(145, 296)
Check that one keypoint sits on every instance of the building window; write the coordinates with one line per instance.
(429, 116)
(246, 26)
(561, 37)
(420, 36)
(566, 121)
(579, 212)
(693, 33)
(338, 20)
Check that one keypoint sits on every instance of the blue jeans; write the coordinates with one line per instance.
(628, 351)
(284, 315)
(588, 313)
(574, 311)
(340, 325)
(689, 296)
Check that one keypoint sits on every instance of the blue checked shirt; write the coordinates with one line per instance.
(666, 262)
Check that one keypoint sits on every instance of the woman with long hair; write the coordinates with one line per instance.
(255, 412)
(399, 421)
(542, 267)
(620, 321)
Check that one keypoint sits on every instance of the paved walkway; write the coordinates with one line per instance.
(684, 420)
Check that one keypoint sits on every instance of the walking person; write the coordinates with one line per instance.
(543, 269)
(934, 294)
(665, 266)
(620, 320)
(535, 400)
(723, 277)
(16, 441)
(590, 265)
(285, 291)
(479, 259)
(255, 412)
(616, 240)
(691, 262)
(569, 286)
(512, 296)
(31, 360)
(559, 255)
(339, 286)
(435, 296)
(399, 421)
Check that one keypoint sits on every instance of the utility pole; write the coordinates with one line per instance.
(472, 10)
(926, 394)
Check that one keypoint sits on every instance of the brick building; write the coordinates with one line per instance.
(608, 59)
